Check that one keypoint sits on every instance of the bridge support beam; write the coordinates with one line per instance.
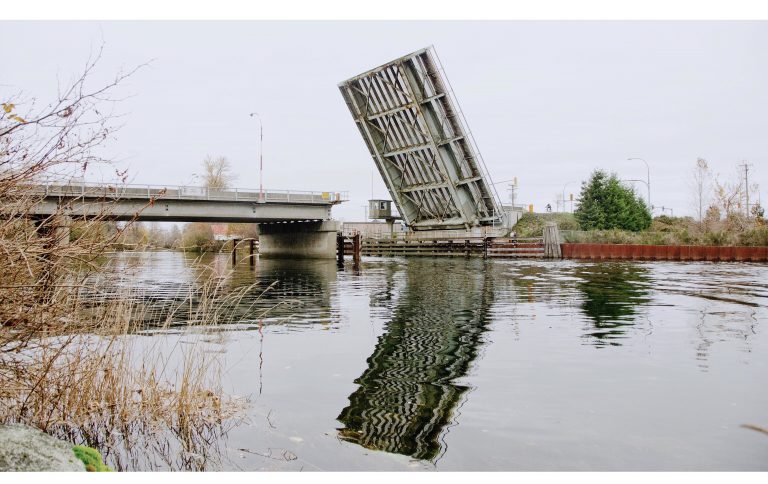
(300, 240)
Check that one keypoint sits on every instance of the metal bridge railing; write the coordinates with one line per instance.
(180, 192)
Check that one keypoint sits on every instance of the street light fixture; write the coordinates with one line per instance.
(564, 195)
(648, 182)
(261, 159)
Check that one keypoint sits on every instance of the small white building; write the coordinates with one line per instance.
(221, 232)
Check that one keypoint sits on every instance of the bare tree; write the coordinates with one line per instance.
(217, 172)
(728, 196)
(59, 140)
(64, 364)
(702, 184)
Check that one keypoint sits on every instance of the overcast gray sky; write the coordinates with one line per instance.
(547, 102)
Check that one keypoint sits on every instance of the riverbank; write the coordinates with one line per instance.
(664, 231)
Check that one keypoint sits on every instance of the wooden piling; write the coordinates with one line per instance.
(357, 248)
(552, 241)
(234, 251)
(251, 258)
(340, 249)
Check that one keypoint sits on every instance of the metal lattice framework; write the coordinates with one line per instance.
(414, 132)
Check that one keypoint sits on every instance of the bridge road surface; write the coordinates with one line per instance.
(153, 203)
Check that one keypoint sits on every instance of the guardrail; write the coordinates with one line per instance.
(433, 234)
(180, 192)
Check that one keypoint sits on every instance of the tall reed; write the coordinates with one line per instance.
(74, 364)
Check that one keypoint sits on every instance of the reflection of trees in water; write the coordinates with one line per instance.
(611, 292)
(301, 292)
(168, 288)
(407, 396)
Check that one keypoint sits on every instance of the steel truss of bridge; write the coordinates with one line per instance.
(411, 124)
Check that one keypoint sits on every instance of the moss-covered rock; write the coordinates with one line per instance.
(91, 458)
(27, 449)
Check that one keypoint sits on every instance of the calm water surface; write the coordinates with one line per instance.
(466, 364)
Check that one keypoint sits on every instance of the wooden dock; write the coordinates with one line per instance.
(485, 247)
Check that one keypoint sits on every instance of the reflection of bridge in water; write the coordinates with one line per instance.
(408, 395)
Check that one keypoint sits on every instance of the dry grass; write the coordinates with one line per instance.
(75, 364)
(144, 402)
(732, 230)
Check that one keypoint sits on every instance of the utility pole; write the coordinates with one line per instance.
(512, 188)
(746, 183)
(261, 156)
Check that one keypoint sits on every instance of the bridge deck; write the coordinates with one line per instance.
(115, 191)
(183, 203)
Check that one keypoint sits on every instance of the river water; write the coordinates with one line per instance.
(470, 364)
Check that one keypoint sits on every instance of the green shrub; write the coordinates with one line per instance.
(605, 203)
(757, 236)
(716, 238)
(684, 237)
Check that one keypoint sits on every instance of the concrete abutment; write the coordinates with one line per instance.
(300, 240)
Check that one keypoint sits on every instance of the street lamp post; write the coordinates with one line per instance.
(564, 195)
(650, 207)
(261, 158)
(648, 178)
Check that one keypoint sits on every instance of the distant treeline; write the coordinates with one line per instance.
(196, 236)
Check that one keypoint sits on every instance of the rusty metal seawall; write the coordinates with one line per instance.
(664, 252)
(413, 128)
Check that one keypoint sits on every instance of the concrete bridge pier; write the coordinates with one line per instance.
(301, 240)
(57, 227)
